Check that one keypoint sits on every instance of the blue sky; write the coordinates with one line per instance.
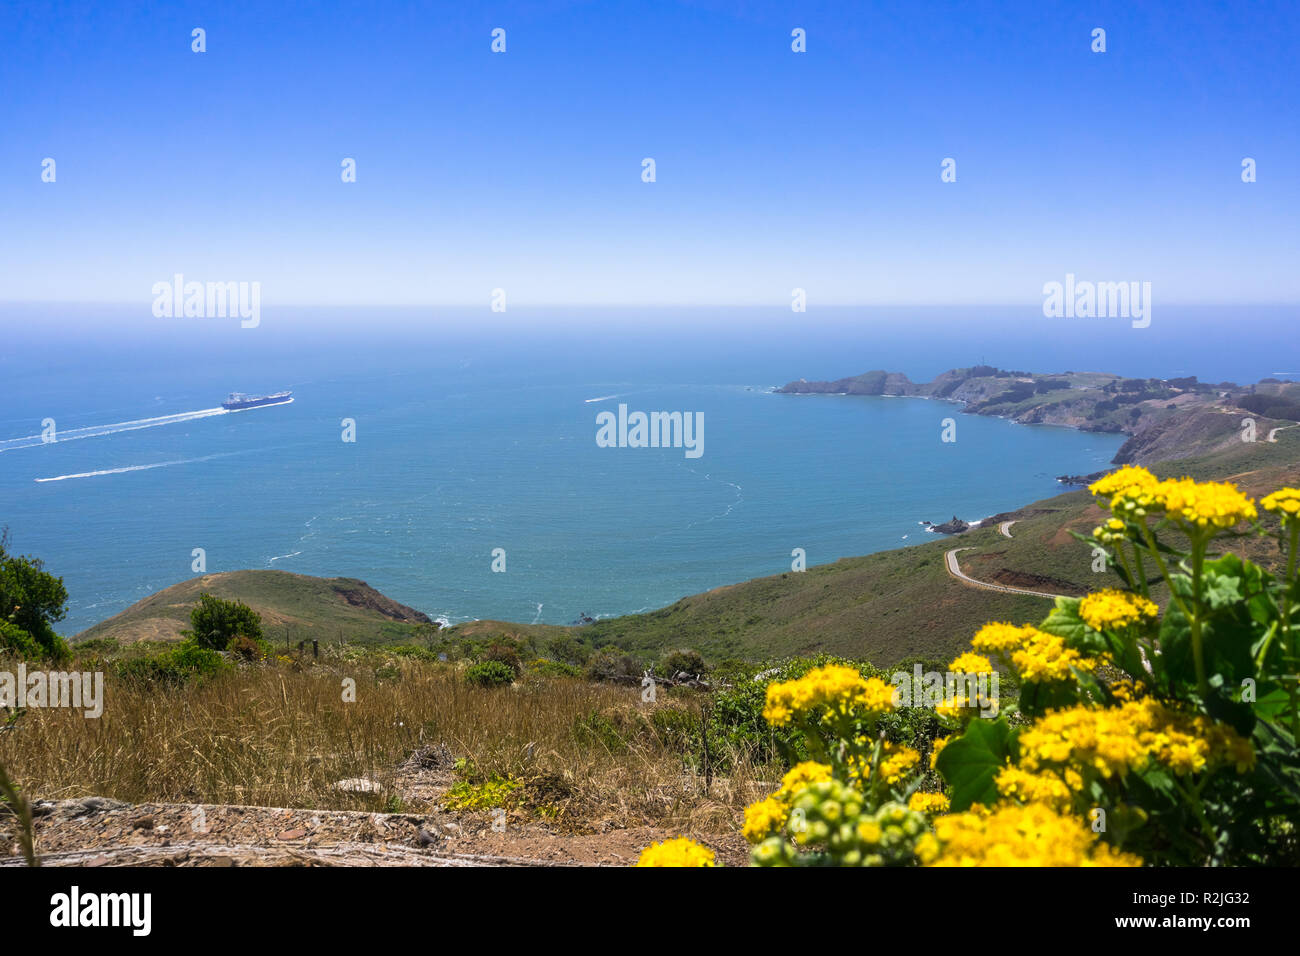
(774, 169)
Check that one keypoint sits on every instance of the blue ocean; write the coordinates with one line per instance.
(472, 435)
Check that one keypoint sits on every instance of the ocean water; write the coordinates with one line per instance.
(472, 436)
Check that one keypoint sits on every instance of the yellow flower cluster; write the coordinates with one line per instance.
(1131, 490)
(1285, 503)
(764, 818)
(1044, 658)
(1036, 655)
(1114, 609)
(769, 816)
(1055, 791)
(841, 690)
(1014, 835)
(999, 638)
(1110, 532)
(1116, 740)
(971, 663)
(896, 762)
(800, 776)
(678, 852)
(1207, 504)
(930, 803)
(1135, 492)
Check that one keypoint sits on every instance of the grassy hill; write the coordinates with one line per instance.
(293, 607)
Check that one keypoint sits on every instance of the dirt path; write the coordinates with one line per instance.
(1005, 528)
(955, 570)
(95, 832)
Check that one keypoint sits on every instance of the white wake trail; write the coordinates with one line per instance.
(95, 431)
(127, 468)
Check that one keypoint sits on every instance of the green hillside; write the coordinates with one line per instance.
(294, 607)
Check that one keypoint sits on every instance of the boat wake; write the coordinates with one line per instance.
(128, 468)
(95, 431)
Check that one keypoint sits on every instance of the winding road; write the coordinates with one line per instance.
(955, 570)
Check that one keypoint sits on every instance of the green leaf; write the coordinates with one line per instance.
(970, 763)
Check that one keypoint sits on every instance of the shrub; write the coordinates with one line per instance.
(546, 668)
(214, 623)
(14, 640)
(182, 664)
(506, 653)
(610, 663)
(31, 602)
(682, 661)
(490, 674)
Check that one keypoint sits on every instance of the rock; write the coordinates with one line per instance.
(1080, 479)
(142, 823)
(295, 834)
(955, 526)
(99, 805)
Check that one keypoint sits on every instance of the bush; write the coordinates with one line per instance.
(490, 674)
(214, 623)
(14, 640)
(610, 663)
(182, 664)
(569, 650)
(31, 601)
(98, 645)
(682, 661)
(507, 654)
(544, 668)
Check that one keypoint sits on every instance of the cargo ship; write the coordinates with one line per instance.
(238, 400)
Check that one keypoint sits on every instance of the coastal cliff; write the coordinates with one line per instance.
(1164, 418)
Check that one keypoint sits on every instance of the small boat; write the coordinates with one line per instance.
(238, 400)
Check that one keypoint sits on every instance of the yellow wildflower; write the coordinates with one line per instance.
(1207, 504)
(971, 663)
(1114, 609)
(841, 690)
(1044, 658)
(800, 776)
(764, 818)
(928, 802)
(1285, 503)
(1014, 835)
(678, 852)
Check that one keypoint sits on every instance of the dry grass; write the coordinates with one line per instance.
(280, 734)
